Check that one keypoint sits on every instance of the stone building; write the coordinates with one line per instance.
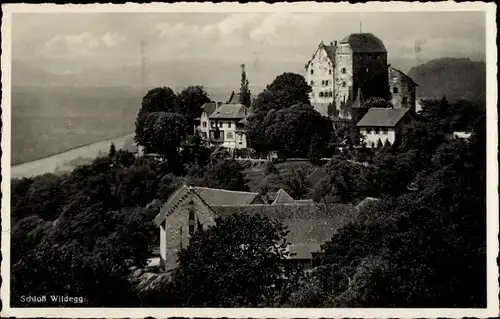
(193, 208)
(403, 90)
(320, 75)
(360, 62)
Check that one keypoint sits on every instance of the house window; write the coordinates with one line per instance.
(376, 131)
(212, 123)
(204, 124)
(312, 71)
(343, 70)
(394, 90)
(405, 100)
(191, 222)
(229, 135)
(220, 124)
(368, 131)
(229, 124)
(384, 131)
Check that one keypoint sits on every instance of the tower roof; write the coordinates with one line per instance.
(359, 101)
(364, 43)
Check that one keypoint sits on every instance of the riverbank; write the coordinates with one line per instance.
(69, 160)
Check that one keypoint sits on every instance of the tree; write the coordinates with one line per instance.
(191, 99)
(223, 265)
(296, 131)
(163, 134)
(286, 90)
(160, 99)
(376, 101)
(224, 174)
(245, 94)
(112, 150)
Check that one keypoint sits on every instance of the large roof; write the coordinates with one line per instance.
(383, 117)
(308, 225)
(282, 197)
(230, 111)
(209, 108)
(215, 197)
(330, 52)
(364, 43)
(401, 73)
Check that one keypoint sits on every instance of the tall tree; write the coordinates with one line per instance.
(160, 99)
(245, 94)
(286, 90)
(191, 99)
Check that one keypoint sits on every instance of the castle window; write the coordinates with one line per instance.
(191, 222)
(312, 82)
(326, 83)
(394, 90)
(330, 71)
(320, 94)
(312, 71)
(344, 84)
(405, 100)
(343, 70)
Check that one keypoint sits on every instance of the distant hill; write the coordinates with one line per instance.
(456, 78)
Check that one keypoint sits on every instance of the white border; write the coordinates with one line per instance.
(492, 164)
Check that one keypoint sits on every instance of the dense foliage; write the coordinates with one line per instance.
(81, 233)
(224, 265)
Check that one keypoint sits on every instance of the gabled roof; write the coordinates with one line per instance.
(330, 52)
(391, 69)
(383, 117)
(282, 197)
(230, 111)
(209, 108)
(359, 101)
(218, 197)
(364, 43)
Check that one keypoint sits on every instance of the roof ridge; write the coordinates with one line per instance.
(225, 190)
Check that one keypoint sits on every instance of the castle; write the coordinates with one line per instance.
(352, 69)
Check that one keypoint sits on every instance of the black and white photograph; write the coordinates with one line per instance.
(253, 160)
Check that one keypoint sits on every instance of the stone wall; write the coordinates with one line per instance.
(320, 74)
(403, 90)
(343, 75)
(177, 229)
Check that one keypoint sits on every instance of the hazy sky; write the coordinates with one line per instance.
(208, 47)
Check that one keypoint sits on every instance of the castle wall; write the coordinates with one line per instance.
(343, 76)
(320, 74)
(402, 90)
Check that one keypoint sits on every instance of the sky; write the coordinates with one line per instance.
(181, 49)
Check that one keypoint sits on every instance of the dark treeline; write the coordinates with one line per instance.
(422, 244)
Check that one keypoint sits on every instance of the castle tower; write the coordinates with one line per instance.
(360, 61)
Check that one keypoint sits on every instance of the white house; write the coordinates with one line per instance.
(224, 125)
(384, 124)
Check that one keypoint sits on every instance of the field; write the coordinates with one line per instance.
(50, 120)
